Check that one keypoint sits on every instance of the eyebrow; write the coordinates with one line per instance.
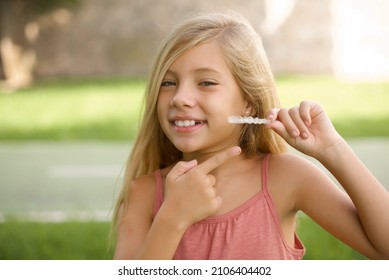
(207, 69)
(197, 70)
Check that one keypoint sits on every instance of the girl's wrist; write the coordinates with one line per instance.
(172, 220)
(333, 154)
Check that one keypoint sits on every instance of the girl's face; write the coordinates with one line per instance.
(196, 96)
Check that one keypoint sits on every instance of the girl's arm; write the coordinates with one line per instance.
(139, 236)
(370, 198)
(135, 222)
(308, 129)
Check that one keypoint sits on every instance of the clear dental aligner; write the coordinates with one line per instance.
(248, 120)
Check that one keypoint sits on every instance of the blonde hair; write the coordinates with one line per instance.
(243, 52)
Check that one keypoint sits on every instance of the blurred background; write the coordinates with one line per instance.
(72, 75)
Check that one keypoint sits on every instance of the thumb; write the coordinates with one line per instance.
(180, 169)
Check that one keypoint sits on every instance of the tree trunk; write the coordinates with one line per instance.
(18, 57)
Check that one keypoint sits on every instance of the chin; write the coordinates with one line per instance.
(188, 146)
(186, 149)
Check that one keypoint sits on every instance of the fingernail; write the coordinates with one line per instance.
(193, 162)
(237, 150)
(304, 135)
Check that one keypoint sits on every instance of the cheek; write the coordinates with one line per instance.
(162, 106)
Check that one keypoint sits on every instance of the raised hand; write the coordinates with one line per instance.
(306, 127)
(190, 192)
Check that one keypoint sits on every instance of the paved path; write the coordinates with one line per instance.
(50, 181)
(58, 181)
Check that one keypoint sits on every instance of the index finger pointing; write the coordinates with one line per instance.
(218, 159)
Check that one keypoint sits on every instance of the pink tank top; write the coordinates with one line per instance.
(251, 231)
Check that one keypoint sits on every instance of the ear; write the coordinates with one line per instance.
(248, 109)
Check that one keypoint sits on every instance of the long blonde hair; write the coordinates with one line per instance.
(243, 52)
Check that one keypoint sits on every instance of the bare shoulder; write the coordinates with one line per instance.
(302, 181)
(295, 171)
(143, 185)
(287, 175)
(142, 192)
(140, 200)
(288, 164)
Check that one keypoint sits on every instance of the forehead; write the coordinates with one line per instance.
(205, 57)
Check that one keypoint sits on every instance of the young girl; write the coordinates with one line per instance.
(199, 187)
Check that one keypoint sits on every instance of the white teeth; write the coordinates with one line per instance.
(185, 123)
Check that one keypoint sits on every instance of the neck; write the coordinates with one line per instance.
(235, 165)
(203, 155)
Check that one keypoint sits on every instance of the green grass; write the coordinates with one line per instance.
(83, 241)
(356, 109)
(72, 110)
(54, 241)
(320, 245)
(108, 109)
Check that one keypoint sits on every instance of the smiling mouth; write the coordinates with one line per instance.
(187, 123)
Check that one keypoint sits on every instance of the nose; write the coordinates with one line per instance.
(184, 97)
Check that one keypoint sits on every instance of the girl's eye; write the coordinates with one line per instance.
(168, 84)
(207, 83)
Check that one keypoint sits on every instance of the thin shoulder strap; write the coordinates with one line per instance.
(265, 170)
(158, 191)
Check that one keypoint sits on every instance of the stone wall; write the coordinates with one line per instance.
(120, 37)
(299, 41)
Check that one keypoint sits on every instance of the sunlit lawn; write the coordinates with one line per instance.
(320, 245)
(109, 109)
(58, 241)
(72, 110)
(89, 240)
(356, 109)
